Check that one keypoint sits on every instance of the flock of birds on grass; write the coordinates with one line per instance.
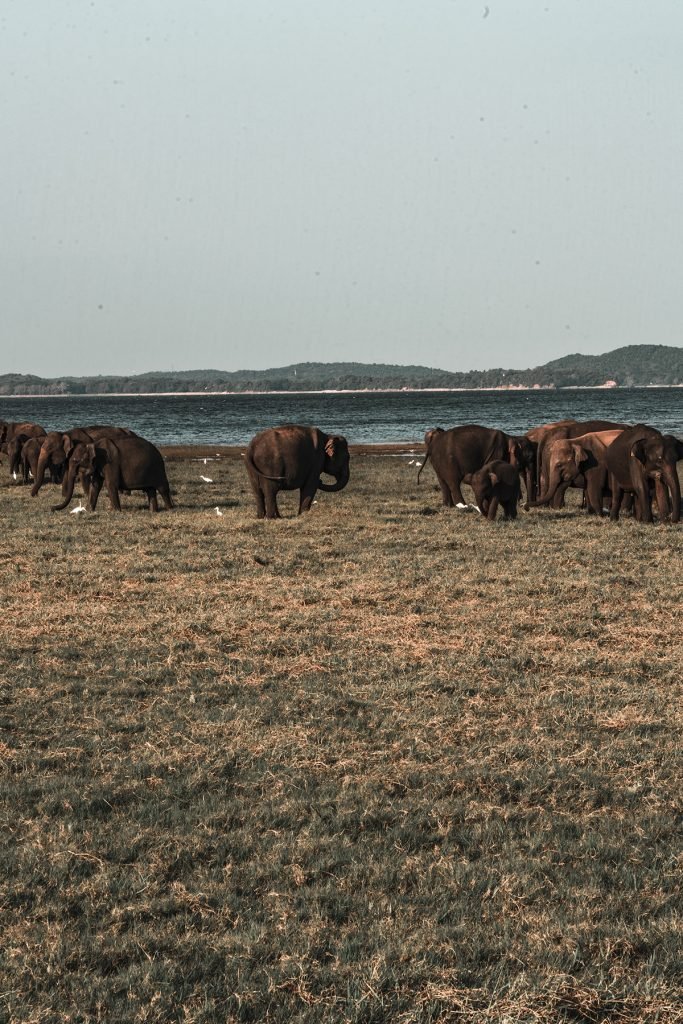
(617, 466)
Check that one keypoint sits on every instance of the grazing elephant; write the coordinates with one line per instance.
(496, 482)
(577, 462)
(457, 453)
(560, 432)
(57, 445)
(292, 457)
(123, 464)
(641, 456)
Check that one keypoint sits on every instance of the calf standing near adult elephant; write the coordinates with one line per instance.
(457, 453)
(496, 483)
(292, 457)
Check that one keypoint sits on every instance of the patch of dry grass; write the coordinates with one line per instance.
(383, 762)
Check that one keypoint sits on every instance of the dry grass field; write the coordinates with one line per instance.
(382, 763)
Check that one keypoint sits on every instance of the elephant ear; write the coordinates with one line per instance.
(638, 451)
(67, 444)
(580, 454)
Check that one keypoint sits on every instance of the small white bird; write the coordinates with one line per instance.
(460, 505)
(418, 463)
(205, 461)
(218, 511)
(412, 462)
(14, 475)
(79, 508)
(206, 479)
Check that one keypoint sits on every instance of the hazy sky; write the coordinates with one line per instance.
(248, 184)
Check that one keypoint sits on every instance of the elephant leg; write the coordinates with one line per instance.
(112, 488)
(259, 497)
(493, 507)
(94, 492)
(152, 499)
(643, 505)
(307, 493)
(663, 503)
(165, 492)
(270, 491)
(445, 493)
(456, 493)
(617, 498)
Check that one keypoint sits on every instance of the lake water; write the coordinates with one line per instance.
(362, 417)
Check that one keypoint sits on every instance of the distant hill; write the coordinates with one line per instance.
(630, 366)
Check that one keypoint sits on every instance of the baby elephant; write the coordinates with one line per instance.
(496, 482)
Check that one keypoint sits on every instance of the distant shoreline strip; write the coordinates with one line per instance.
(542, 388)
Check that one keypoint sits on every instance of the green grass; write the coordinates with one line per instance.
(383, 762)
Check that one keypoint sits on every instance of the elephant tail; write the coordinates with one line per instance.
(424, 463)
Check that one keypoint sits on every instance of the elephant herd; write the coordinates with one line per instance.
(113, 456)
(615, 464)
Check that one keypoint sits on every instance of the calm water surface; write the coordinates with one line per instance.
(362, 418)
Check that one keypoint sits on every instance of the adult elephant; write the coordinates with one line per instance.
(536, 436)
(578, 462)
(457, 453)
(10, 430)
(292, 457)
(639, 457)
(562, 431)
(496, 483)
(125, 463)
(56, 447)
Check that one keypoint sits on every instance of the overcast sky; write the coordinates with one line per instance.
(249, 184)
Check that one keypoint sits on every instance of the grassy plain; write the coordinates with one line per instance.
(382, 763)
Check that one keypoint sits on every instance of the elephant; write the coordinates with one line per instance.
(126, 463)
(496, 482)
(577, 462)
(57, 445)
(457, 453)
(641, 455)
(23, 454)
(292, 457)
(10, 430)
(563, 430)
(536, 436)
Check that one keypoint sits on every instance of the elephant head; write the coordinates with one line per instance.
(522, 455)
(564, 466)
(54, 452)
(336, 463)
(654, 458)
(84, 460)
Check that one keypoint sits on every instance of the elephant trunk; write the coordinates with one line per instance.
(341, 483)
(43, 459)
(68, 491)
(530, 484)
(546, 498)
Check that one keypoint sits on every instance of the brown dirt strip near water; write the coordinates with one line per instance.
(207, 451)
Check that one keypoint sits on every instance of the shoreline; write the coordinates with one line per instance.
(502, 389)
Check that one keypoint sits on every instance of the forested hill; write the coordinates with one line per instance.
(631, 366)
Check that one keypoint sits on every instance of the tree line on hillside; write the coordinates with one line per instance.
(630, 366)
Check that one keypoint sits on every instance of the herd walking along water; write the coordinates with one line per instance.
(618, 466)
